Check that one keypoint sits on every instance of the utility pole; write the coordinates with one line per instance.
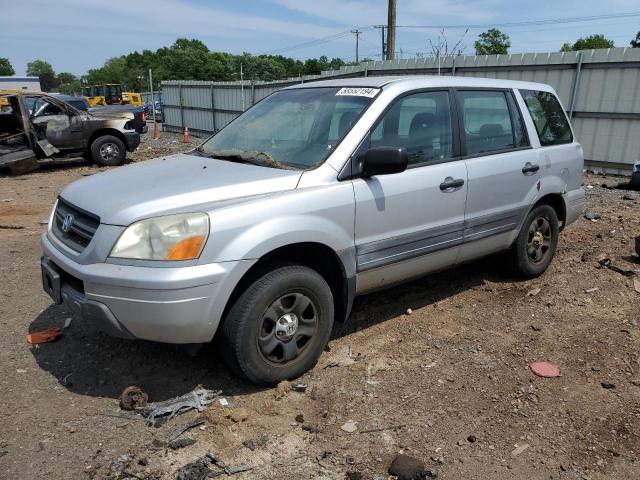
(391, 33)
(382, 27)
(357, 33)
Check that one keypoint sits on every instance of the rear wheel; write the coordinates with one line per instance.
(277, 329)
(108, 151)
(536, 243)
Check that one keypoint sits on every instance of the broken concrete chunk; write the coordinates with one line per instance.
(519, 449)
(349, 426)
(408, 468)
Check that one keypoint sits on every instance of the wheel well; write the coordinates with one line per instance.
(106, 131)
(556, 202)
(316, 256)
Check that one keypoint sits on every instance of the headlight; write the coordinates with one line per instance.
(173, 237)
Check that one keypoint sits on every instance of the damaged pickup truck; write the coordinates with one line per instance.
(40, 127)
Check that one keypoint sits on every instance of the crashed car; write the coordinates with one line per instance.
(38, 126)
(81, 103)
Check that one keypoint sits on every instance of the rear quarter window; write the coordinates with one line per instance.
(548, 116)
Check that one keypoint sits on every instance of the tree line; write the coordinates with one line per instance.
(190, 59)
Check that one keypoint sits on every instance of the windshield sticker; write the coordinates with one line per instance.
(358, 91)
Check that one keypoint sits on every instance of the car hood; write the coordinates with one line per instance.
(172, 184)
(101, 112)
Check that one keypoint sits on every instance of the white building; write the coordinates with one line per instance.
(31, 84)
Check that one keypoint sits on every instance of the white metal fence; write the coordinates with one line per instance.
(599, 88)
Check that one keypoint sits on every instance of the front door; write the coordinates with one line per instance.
(54, 123)
(411, 223)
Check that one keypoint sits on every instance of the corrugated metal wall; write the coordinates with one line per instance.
(600, 88)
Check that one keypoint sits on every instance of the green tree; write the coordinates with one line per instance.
(635, 43)
(5, 67)
(492, 42)
(44, 71)
(597, 40)
(68, 83)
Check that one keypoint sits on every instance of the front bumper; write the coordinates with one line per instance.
(131, 140)
(163, 304)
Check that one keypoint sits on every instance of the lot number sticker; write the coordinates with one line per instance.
(358, 91)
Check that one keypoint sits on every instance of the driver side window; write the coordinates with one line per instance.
(420, 123)
(43, 108)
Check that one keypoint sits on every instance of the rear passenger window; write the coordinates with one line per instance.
(420, 123)
(487, 122)
(549, 118)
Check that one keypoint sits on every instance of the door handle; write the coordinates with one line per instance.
(530, 169)
(450, 184)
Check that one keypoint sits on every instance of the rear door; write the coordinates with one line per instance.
(559, 156)
(411, 223)
(503, 169)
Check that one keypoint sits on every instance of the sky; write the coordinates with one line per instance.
(75, 36)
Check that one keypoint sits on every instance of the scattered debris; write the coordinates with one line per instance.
(121, 463)
(133, 398)
(409, 311)
(201, 468)
(408, 468)
(608, 386)
(300, 418)
(381, 429)
(471, 439)
(636, 284)
(606, 263)
(536, 326)
(198, 399)
(349, 426)
(629, 197)
(637, 241)
(591, 215)
(44, 336)
(299, 387)
(250, 444)
(331, 365)
(544, 369)
(519, 449)
(282, 390)
(351, 475)
(230, 470)
(534, 292)
(224, 402)
(176, 432)
(591, 290)
(180, 443)
(10, 227)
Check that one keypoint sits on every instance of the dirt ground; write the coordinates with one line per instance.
(447, 383)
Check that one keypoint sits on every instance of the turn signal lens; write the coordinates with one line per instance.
(186, 249)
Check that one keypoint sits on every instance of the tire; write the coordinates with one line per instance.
(108, 151)
(279, 326)
(535, 246)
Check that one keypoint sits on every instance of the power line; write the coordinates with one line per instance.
(549, 21)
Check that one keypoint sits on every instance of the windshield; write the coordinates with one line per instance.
(295, 128)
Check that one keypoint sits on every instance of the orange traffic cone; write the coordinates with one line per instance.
(185, 135)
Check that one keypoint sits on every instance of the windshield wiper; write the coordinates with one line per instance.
(262, 159)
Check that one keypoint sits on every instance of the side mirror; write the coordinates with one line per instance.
(384, 161)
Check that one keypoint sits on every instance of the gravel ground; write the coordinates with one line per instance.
(447, 383)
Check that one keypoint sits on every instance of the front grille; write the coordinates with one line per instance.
(81, 228)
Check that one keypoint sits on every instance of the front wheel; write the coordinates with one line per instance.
(278, 327)
(108, 151)
(536, 243)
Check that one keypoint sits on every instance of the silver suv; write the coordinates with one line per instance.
(266, 232)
